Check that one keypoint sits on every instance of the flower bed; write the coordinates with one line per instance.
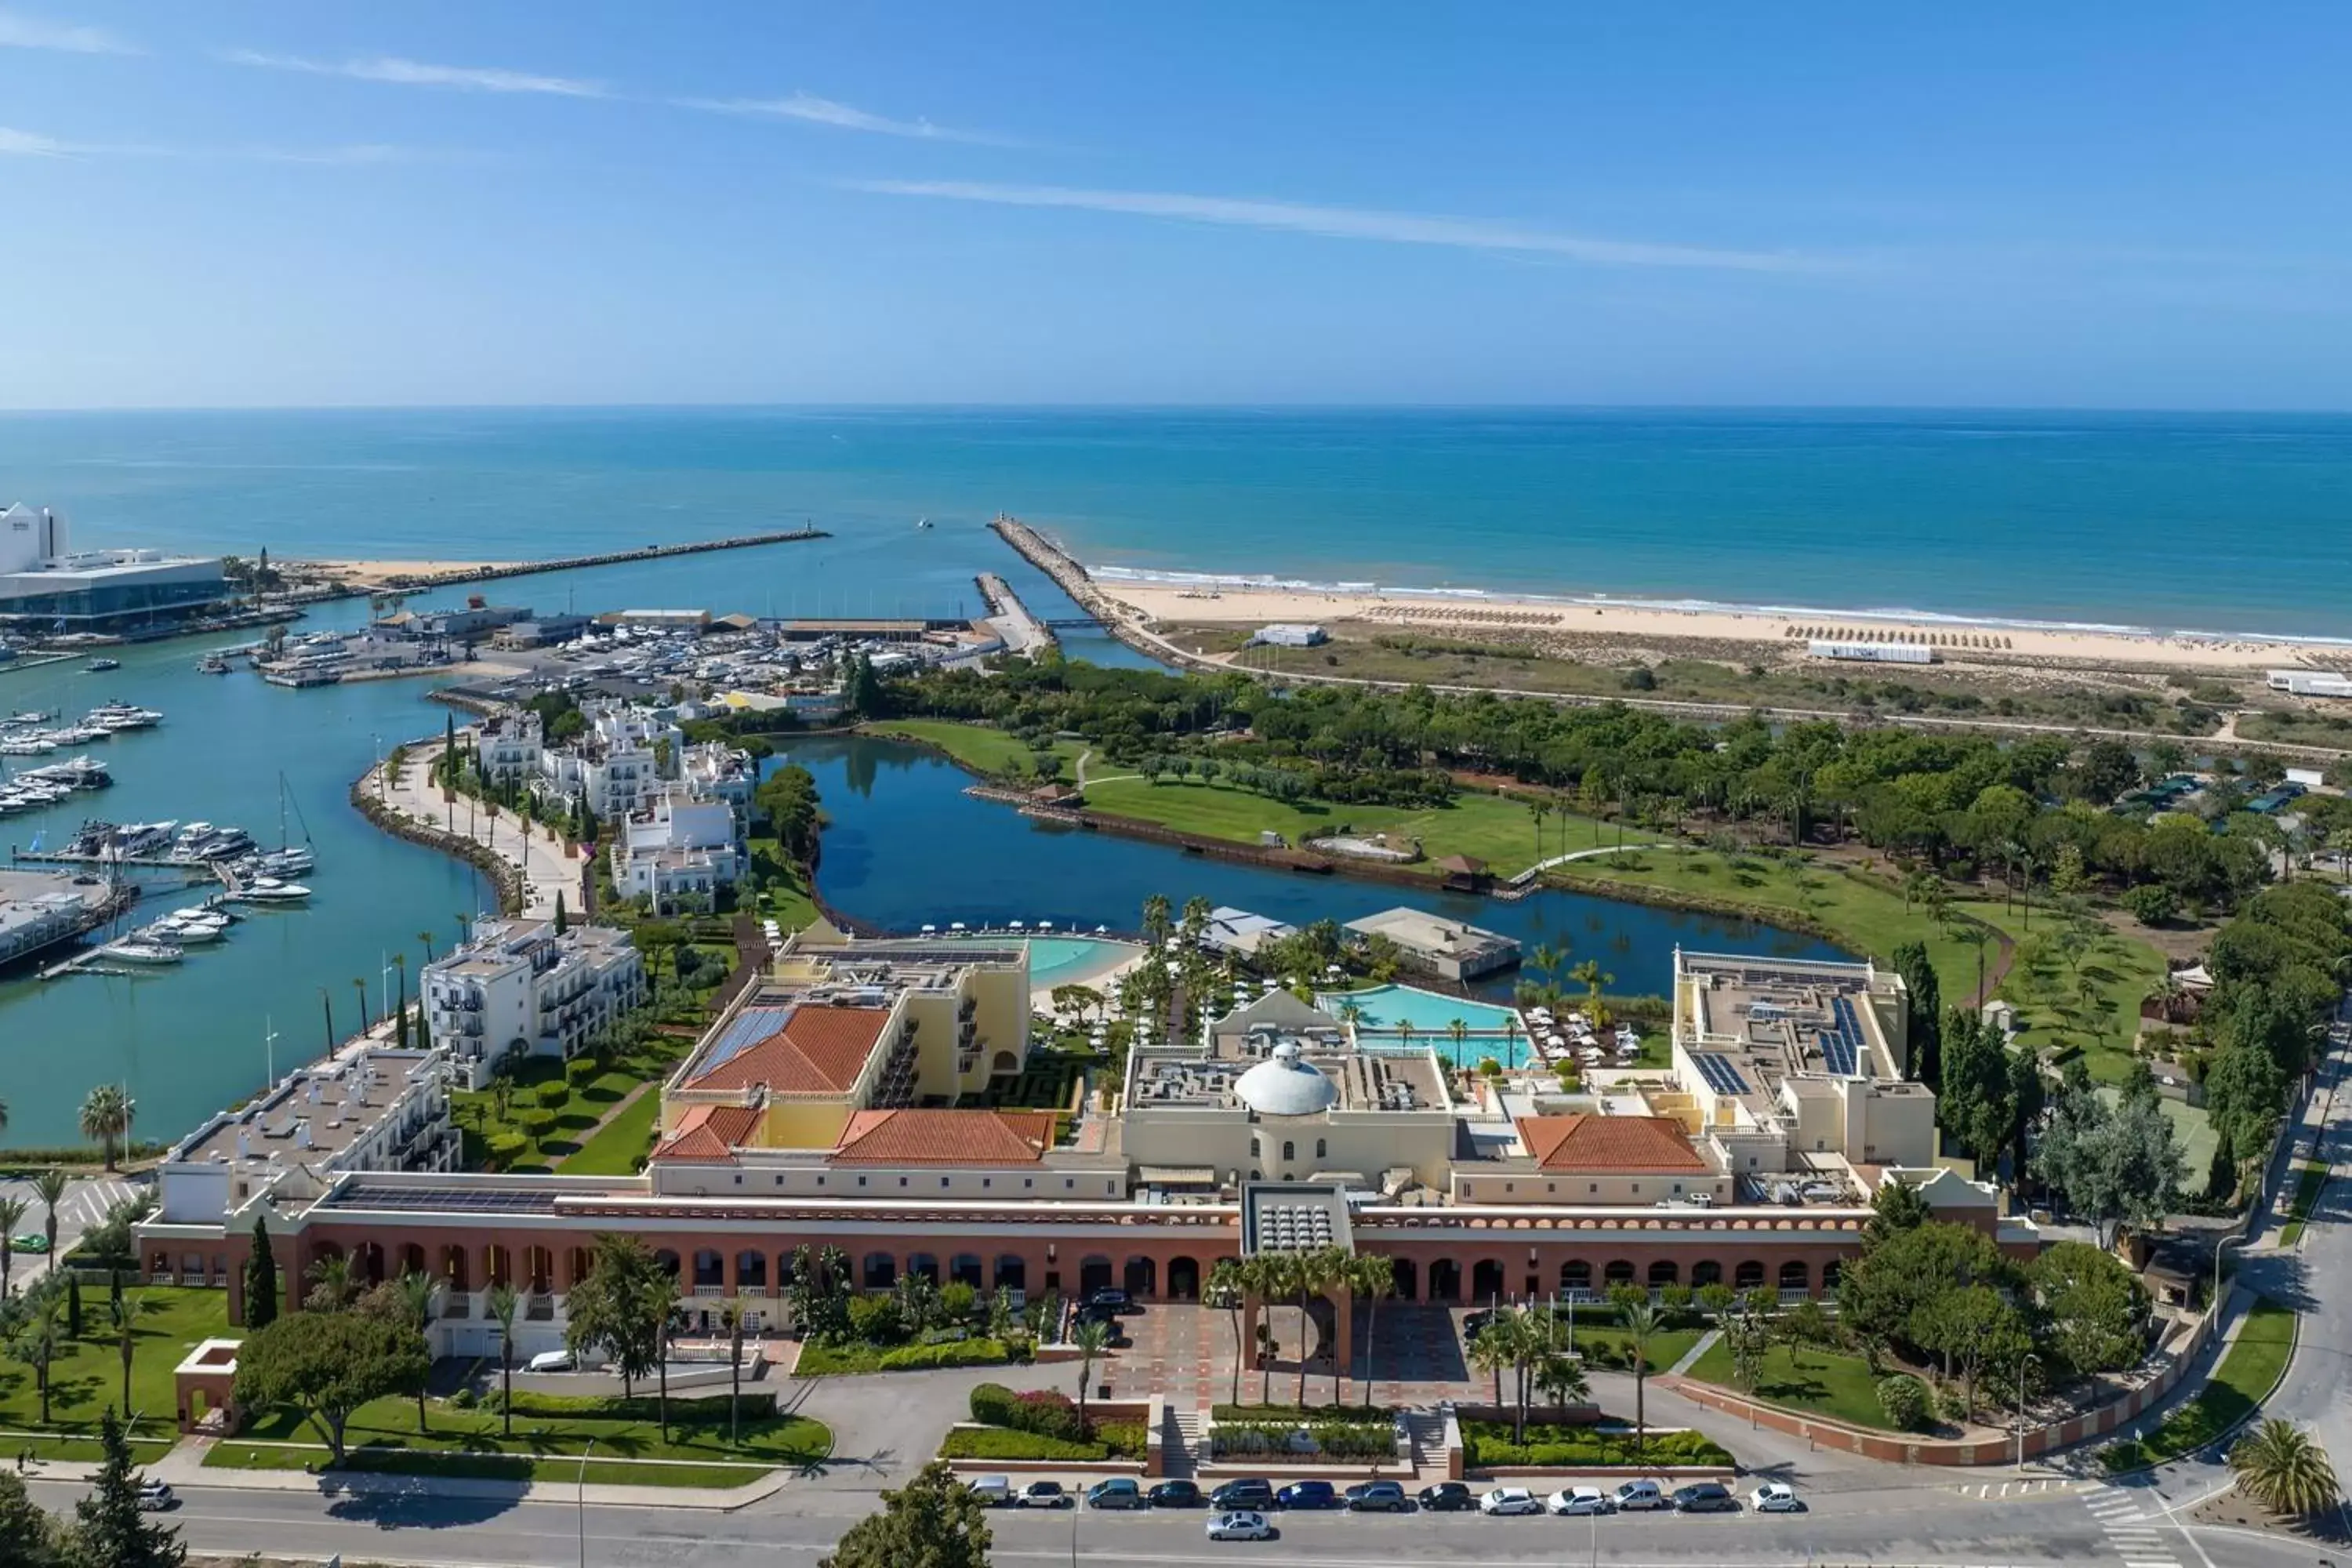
(1487, 1444)
(1112, 1440)
(1326, 1439)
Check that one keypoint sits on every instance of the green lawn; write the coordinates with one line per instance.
(2307, 1197)
(1487, 827)
(2256, 1359)
(385, 1431)
(980, 747)
(1616, 1345)
(622, 1143)
(580, 1123)
(784, 887)
(1828, 1383)
(88, 1378)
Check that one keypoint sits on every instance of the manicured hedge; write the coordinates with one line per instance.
(1305, 1415)
(821, 1359)
(1338, 1439)
(1112, 1440)
(759, 1406)
(1487, 1443)
(1047, 1412)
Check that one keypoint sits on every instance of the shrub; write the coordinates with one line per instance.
(761, 1406)
(1114, 1440)
(1490, 1067)
(1353, 1414)
(1045, 1410)
(553, 1094)
(958, 1302)
(876, 1320)
(2151, 904)
(462, 1400)
(1489, 1442)
(1904, 1400)
(957, 1353)
(1952, 1403)
(535, 1125)
(582, 1070)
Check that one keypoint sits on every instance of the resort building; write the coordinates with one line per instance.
(1240, 933)
(523, 986)
(509, 746)
(48, 586)
(880, 1097)
(615, 765)
(679, 851)
(1451, 949)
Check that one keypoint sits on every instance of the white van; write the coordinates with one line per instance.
(994, 1491)
(552, 1360)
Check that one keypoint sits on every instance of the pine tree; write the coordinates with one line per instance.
(260, 1279)
(109, 1531)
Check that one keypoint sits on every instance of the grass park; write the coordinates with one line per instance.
(86, 1379)
(1823, 1382)
(2250, 1369)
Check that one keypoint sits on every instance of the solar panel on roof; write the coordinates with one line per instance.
(1719, 1074)
(747, 1028)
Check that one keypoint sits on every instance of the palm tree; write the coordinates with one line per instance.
(1277, 1276)
(330, 1284)
(1155, 919)
(2282, 1467)
(1461, 1032)
(1092, 1337)
(36, 1344)
(1589, 976)
(730, 1313)
(425, 939)
(1372, 1277)
(1560, 1378)
(1491, 1349)
(360, 985)
(12, 1214)
(1228, 1282)
(1641, 1322)
(1544, 958)
(1404, 1032)
(1313, 1277)
(417, 1289)
(49, 1186)
(659, 1303)
(502, 1304)
(106, 1115)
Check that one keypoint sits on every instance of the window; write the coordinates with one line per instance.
(902, 1182)
(1593, 1187)
(986, 1183)
(1069, 1183)
(1028, 1182)
(1289, 1150)
(779, 1181)
(739, 1178)
(861, 1181)
(1637, 1189)
(943, 1182)
(1551, 1187)
(1319, 1147)
(1510, 1186)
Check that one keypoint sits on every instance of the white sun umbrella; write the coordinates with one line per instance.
(928, 930)
(1044, 925)
(955, 925)
(1013, 925)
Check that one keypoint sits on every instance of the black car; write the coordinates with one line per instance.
(1111, 1299)
(1176, 1494)
(1473, 1321)
(1705, 1497)
(1253, 1495)
(1307, 1495)
(1446, 1497)
(1376, 1497)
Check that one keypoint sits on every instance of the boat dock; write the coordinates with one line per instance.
(1022, 632)
(40, 910)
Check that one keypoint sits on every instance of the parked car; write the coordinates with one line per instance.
(1578, 1501)
(1445, 1497)
(1775, 1496)
(1111, 1299)
(1378, 1497)
(1177, 1494)
(1706, 1497)
(28, 1241)
(1119, 1491)
(994, 1491)
(1509, 1500)
(1305, 1495)
(1240, 1525)
(552, 1360)
(1045, 1494)
(1473, 1321)
(1251, 1495)
(1635, 1496)
(156, 1497)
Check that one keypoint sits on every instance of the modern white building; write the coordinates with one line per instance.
(2311, 682)
(679, 849)
(510, 745)
(46, 584)
(518, 984)
(615, 765)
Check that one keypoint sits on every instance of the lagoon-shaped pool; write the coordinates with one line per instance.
(1059, 959)
(1382, 1010)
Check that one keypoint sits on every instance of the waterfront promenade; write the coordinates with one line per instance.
(538, 865)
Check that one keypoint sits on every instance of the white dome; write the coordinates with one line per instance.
(1283, 1085)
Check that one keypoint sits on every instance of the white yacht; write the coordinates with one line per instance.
(133, 950)
(270, 890)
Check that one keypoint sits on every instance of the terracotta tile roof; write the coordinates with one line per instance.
(708, 1133)
(816, 1049)
(1638, 1145)
(945, 1138)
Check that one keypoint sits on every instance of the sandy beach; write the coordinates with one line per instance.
(1955, 641)
(365, 573)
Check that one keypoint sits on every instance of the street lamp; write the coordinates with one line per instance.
(2022, 1361)
(583, 1501)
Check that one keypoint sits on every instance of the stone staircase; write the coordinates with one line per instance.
(1184, 1443)
(1425, 1431)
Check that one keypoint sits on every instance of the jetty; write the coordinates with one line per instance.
(417, 582)
(1022, 632)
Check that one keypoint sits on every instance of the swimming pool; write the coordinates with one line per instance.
(1382, 1009)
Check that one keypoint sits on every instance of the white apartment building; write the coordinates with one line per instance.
(612, 766)
(679, 849)
(518, 984)
(717, 772)
(510, 746)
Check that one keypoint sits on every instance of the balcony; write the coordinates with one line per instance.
(457, 1304)
(538, 1307)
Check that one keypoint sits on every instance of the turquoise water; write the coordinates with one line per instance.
(1931, 510)
(1059, 959)
(1431, 1013)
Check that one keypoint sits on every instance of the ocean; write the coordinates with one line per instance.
(2210, 522)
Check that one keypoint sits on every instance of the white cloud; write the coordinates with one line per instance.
(33, 33)
(418, 73)
(32, 144)
(846, 117)
(1353, 222)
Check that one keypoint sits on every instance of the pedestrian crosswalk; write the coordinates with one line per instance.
(2124, 1517)
(2034, 1485)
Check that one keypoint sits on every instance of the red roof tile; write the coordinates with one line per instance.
(708, 1134)
(945, 1138)
(1638, 1145)
(818, 1049)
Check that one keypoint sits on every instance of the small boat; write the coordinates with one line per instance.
(270, 890)
(212, 664)
(101, 666)
(132, 950)
(922, 522)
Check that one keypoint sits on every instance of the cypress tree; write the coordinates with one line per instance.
(108, 1530)
(261, 1280)
(1924, 1017)
(562, 921)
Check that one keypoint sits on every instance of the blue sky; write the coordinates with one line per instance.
(603, 202)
